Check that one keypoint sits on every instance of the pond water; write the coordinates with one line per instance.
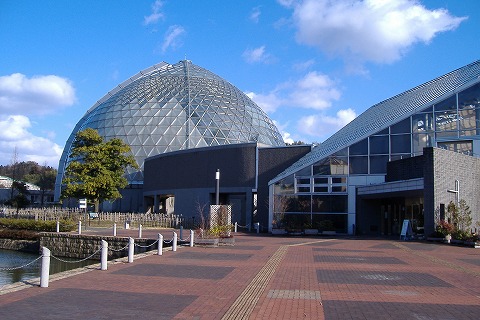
(10, 259)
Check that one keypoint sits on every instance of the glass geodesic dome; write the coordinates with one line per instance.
(172, 107)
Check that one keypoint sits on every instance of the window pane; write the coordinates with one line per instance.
(379, 145)
(358, 165)
(320, 189)
(462, 147)
(421, 141)
(401, 143)
(339, 189)
(359, 148)
(422, 122)
(469, 119)
(284, 186)
(303, 189)
(446, 121)
(401, 127)
(469, 98)
(449, 104)
(383, 132)
(339, 179)
(378, 164)
(303, 180)
(321, 180)
(305, 171)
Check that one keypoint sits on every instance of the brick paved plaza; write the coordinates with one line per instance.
(266, 277)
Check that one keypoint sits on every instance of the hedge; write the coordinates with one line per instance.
(32, 225)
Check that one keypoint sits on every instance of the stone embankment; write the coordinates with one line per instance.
(20, 245)
(81, 246)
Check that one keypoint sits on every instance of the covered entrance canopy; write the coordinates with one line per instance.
(381, 208)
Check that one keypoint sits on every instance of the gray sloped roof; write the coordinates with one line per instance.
(388, 112)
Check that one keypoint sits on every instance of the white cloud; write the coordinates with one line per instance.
(172, 37)
(14, 134)
(155, 15)
(314, 91)
(322, 126)
(258, 55)
(370, 30)
(304, 65)
(267, 102)
(36, 95)
(255, 14)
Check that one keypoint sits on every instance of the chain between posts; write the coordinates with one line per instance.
(20, 267)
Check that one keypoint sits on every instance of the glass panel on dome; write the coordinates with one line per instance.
(401, 127)
(400, 143)
(379, 145)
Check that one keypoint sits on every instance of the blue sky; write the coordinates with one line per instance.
(312, 65)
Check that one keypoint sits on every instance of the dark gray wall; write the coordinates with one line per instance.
(273, 161)
(195, 168)
(405, 169)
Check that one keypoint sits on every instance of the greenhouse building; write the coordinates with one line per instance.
(405, 158)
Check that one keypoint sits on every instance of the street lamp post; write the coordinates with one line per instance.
(217, 189)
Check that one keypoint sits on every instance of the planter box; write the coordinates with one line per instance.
(207, 242)
(278, 231)
(436, 239)
(329, 233)
(310, 232)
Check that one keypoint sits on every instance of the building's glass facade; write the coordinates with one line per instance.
(324, 189)
(173, 107)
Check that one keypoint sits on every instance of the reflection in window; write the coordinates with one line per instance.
(469, 119)
(446, 121)
(449, 104)
(334, 204)
(469, 98)
(422, 122)
(420, 141)
(331, 165)
(461, 147)
(284, 186)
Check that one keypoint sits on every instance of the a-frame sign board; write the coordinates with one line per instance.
(406, 230)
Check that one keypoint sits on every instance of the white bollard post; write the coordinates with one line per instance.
(174, 242)
(140, 231)
(131, 249)
(257, 226)
(160, 245)
(114, 229)
(104, 257)
(236, 227)
(45, 271)
(58, 226)
(192, 234)
(79, 227)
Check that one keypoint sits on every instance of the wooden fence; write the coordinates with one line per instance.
(102, 218)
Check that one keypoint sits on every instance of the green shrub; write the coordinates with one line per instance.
(39, 226)
(19, 234)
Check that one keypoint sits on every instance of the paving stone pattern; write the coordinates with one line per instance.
(265, 277)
